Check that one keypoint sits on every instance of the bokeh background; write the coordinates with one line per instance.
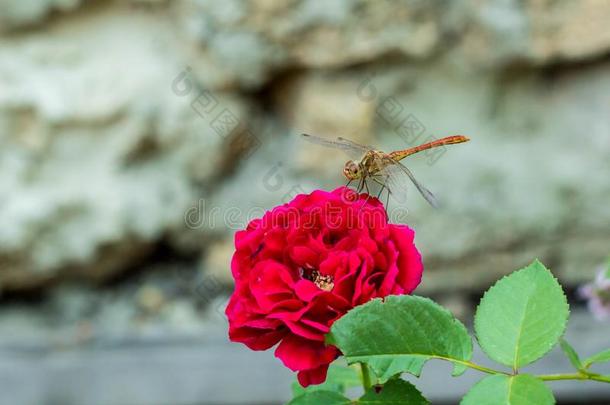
(137, 136)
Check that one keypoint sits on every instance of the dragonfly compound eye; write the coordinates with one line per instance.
(351, 170)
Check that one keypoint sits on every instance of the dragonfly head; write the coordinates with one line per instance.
(352, 170)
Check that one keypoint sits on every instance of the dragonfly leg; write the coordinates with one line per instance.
(387, 200)
(380, 191)
(368, 195)
(361, 184)
(349, 182)
(381, 184)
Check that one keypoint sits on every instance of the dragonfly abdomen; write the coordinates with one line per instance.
(448, 140)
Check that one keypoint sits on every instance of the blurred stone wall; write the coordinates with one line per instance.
(129, 125)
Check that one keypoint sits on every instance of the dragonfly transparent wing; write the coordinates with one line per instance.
(396, 175)
(354, 150)
(355, 145)
(396, 182)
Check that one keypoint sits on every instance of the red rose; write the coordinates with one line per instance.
(305, 264)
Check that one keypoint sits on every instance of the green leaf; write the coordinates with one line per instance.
(320, 397)
(600, 357)
(395, 392)
(338, 379)
(571, 354)
(522, 316)
(399, 334)
(522, 389)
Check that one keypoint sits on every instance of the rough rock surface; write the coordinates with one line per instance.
(102, 147)
(245, 43)
(121, 125)
(19, 14)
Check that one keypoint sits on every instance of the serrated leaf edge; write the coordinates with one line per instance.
(565, 299)
(458, 368)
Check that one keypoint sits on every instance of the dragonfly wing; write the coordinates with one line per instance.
(396, 171)
(364, 148)
(396, 182)
(353, 149)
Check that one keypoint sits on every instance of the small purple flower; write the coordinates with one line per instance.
(597, 294)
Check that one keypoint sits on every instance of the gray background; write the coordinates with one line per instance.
(137, 136)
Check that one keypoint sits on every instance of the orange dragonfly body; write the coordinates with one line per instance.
(383, 168)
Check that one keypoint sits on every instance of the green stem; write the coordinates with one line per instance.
(601, 378)
(574, 376)
(475, 366)
(366, 376)
(544, 377)
(582, 375)
(557, 377)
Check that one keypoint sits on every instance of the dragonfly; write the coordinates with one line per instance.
(385, 169)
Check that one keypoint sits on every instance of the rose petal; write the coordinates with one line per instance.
(313, 377)
(299, 354)
(304, 256)
(256, 338)
(409, 259)
(340, 234)
(306, 290)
